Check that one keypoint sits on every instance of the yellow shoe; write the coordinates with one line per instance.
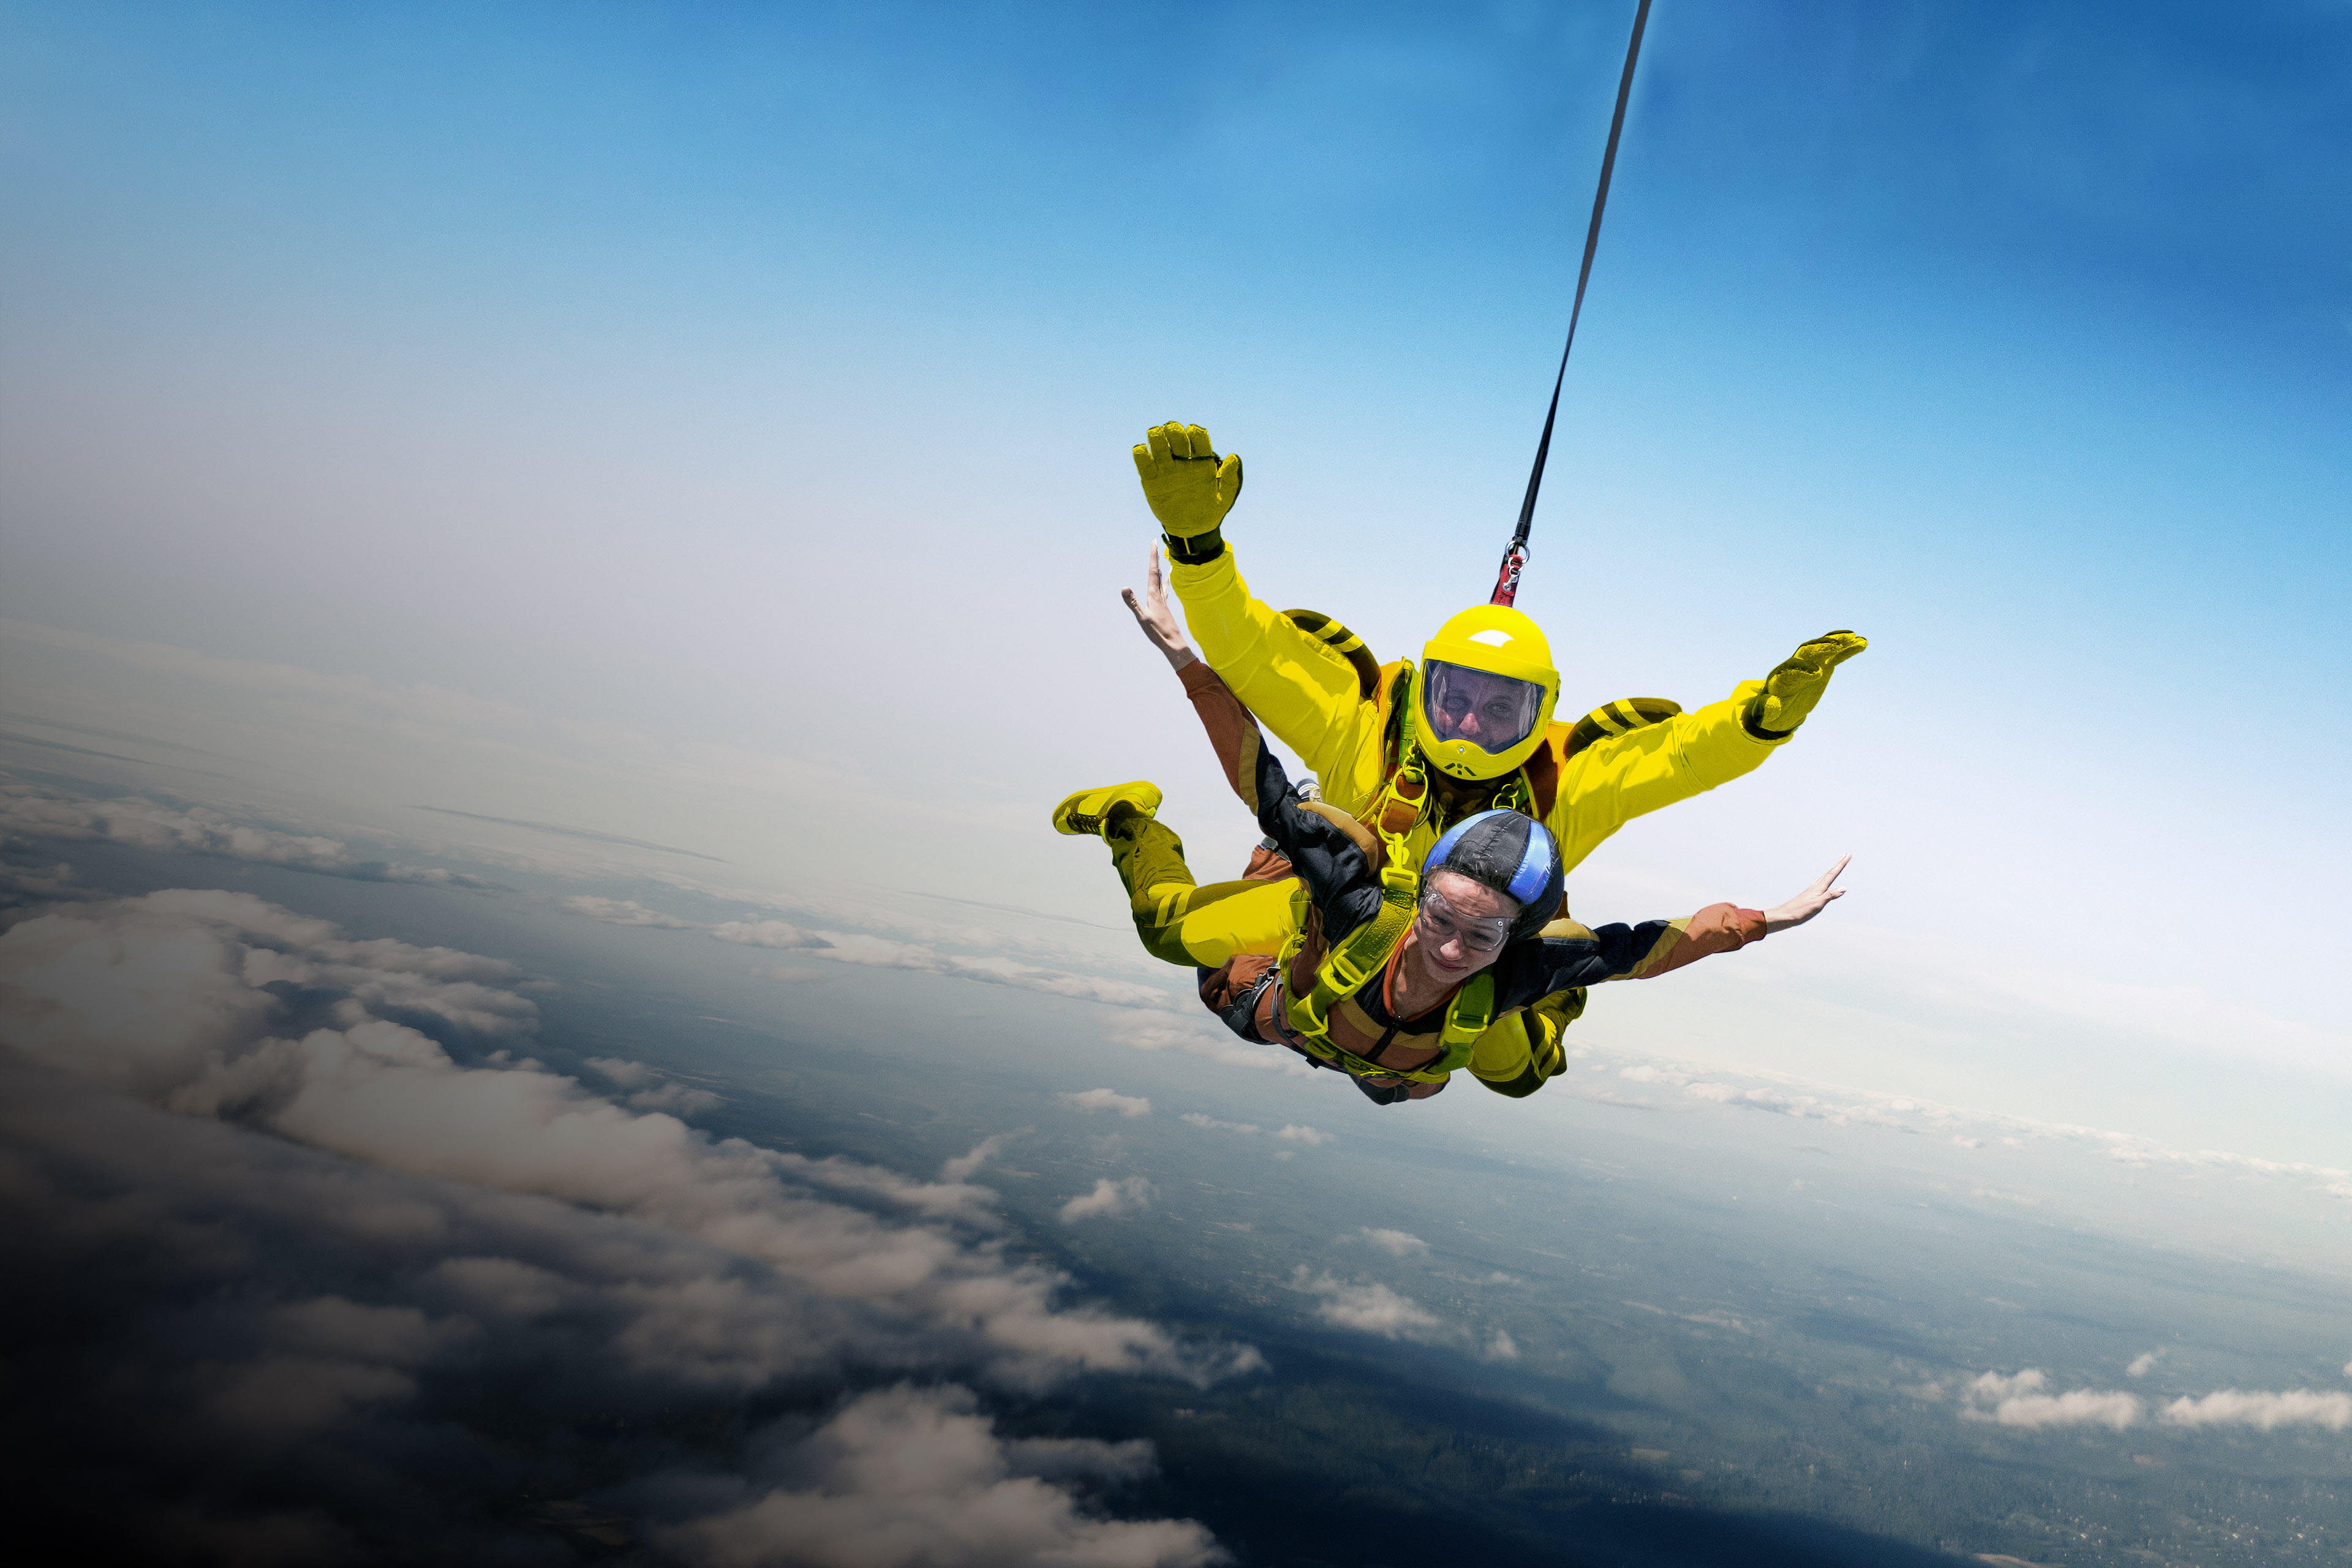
(1085, 811)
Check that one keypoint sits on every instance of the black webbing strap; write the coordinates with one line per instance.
(1514, 559)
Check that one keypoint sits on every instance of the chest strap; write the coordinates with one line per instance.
(1354, 961)
(1467, 1016)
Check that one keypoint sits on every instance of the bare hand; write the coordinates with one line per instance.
(1157, 621)
(1809, 903)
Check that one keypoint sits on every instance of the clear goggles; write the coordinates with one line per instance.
(1446, 924)
(1492, 712)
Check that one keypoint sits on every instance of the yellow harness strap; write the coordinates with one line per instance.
(1352, 963)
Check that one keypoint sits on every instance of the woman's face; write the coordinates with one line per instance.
(1462, 925)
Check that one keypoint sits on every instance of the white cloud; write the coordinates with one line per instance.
(1781, 1101)
(165, 997)
(1108, 1199)
(907, 1477)
(174, 996)
(1195, 1034)
(365, 1195)
(873, 952)
(29, 812)
(1105, 1100)
(675, 1097)
(994, 935)
(215, 1003)
(989, 969)
(2141, 1364)
(37, 884)
(1373, 1309)
(2233, 1407)
(649, 1092)
(1501, 1347)
(765, 933)
(623, 912)
(1842, 1105)
(1396, 1243)
(1211, 1124)
(964, 1167)
(994, 971)
(2018, 1401)
(1309, 1136)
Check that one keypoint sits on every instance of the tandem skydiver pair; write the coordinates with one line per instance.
(1391, 928)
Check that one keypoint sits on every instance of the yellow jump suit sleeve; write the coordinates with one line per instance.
(1307, 695)
(1612, 782)
(1520, 1053)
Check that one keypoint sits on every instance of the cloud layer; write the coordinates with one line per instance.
(323, 1258)
(1842, 1105)
(1396, 1243)
(990, 969)
(1372, 1308)
(2020, 1399)
(1106, 1099)
(909, 1476)
(29, 812)
(1108, 1199)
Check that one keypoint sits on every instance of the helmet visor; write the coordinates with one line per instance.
(1492, 712)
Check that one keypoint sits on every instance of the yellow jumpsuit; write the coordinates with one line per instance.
(1312, 699)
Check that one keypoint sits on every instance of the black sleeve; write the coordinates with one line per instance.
(1541, 966)
(1338, 878)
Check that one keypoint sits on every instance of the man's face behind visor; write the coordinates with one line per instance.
(1492, 712)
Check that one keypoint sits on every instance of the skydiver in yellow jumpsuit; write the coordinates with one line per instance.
(1407, 755)
(1411, 751)
(1379, 975)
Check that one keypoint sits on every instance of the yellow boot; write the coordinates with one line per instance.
(1088, 810)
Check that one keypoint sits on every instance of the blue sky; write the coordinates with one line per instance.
(760, 379)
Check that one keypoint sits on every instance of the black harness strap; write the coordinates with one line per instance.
(1514, 559)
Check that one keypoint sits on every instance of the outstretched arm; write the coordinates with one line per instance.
(1818, 896)
(1522, 1051)
(1331, 852)
(1310, 697)
(1615, 780)
(1233, 730)
(1305, 694)
(1644, 952)
(1159, 621)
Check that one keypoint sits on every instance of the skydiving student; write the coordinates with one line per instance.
(1411, 751)
(1398, 973)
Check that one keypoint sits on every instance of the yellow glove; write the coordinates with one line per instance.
(1189, 487)
(1797, 683)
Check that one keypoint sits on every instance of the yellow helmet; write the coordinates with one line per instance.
(1483, 694)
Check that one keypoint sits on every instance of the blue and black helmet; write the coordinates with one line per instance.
(1510, 852)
